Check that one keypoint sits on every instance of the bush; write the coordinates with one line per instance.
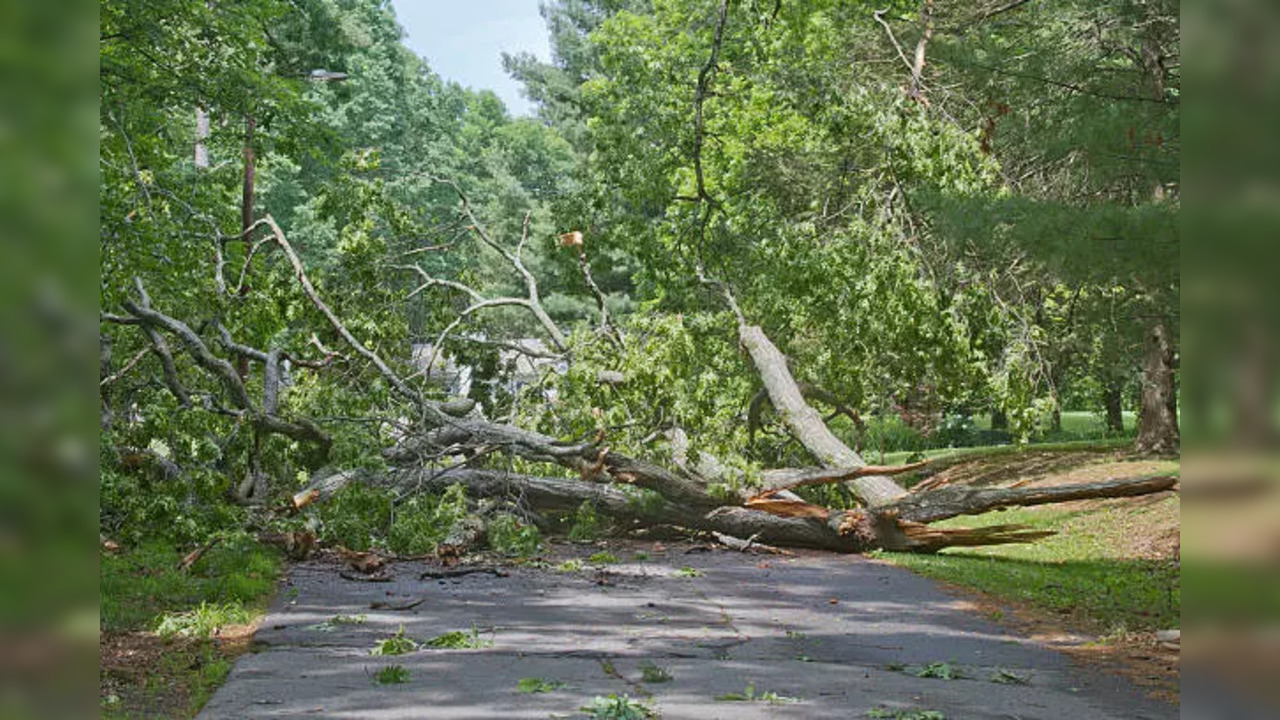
(586, 524)
(422, 522)
(356, 517)
(508, 536)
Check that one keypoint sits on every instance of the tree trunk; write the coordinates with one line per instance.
(1112, 397)
(900, 526)
(1158, 418)
(806, 423)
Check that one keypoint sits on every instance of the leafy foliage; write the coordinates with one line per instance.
(397, 644)
(204, 621)
(537, 685)
(423, 521)
(509, 536)
(459, 640)
(617, 707)
(587, 525)
(356, 517)
(392, 675)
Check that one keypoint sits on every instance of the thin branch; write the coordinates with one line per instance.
(879, 16)
(196, 347)
(151, 320)
(607, 327)
(300, 273)
(533, 302)
(127, 367)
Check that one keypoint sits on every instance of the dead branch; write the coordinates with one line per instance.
(952, 501)
(792, 478)
(459, 572)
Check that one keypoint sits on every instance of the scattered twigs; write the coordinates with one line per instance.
(364, 578)
(382, 605)
(459, 572)
(748, 545)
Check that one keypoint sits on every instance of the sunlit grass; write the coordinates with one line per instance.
(1084, 572)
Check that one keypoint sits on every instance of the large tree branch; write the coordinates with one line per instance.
(806, 423)
(301, 274)
(952, 501)
(262, 417)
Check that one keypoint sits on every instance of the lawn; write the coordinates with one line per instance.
(1112, 567)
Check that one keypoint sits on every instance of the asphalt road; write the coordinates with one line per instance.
(828, 636)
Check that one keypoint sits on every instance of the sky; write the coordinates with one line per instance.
(464, 41)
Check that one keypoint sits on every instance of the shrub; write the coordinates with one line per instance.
(422, 522)
(586, 524)
(356, 517)
(508, 536)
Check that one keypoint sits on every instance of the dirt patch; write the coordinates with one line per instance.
(142, 675)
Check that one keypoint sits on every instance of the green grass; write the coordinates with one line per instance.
(1080, 572)
(140, 586)
(948, 456)
(197, 668)
(141, 590)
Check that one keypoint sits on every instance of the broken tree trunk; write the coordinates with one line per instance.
(806, 423)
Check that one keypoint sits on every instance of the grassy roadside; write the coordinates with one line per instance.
(1111, 569)
(169, 637)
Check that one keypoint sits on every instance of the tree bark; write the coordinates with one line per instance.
(1158, 418)
(806, 423)
(1112, 397)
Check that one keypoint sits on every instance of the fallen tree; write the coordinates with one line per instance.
(889, 516)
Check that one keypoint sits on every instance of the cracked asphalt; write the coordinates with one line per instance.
(830, 636)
